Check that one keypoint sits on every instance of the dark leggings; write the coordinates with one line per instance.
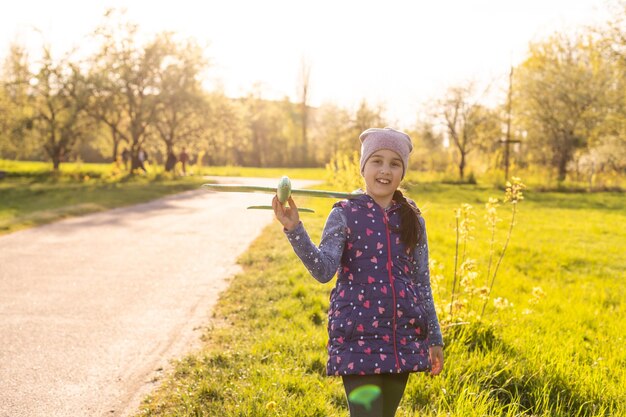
(391, 386)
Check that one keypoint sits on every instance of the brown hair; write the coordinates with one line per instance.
(410, 227)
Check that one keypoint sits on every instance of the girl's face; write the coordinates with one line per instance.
(383, 173)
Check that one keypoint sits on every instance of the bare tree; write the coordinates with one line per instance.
(467, 122)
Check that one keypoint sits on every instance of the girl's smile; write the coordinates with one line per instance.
(382, 173)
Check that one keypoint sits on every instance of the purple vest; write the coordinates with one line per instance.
(376, 322)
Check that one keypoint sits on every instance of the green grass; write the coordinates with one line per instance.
(264, 351)
(31, 194)
(233, 171)
(535, 178)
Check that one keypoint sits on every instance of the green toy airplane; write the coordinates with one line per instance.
(283, 191)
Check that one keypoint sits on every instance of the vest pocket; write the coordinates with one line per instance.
(421, 323)
(341, 323)
(350, 326)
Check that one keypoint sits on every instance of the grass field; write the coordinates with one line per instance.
(561, 354)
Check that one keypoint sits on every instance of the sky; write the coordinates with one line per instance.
(400, 54)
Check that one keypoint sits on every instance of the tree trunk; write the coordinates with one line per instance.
(563, 156)
(56, 155)
(462, 166)
(134, 158)
(134, 163)
(562, 167)
(170, 157)
(56, 163)
(115, 152)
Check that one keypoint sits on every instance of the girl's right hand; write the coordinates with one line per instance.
(287, 216)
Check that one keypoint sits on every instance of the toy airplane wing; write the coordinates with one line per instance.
(283, 191)
(323, 193)
(235, 188)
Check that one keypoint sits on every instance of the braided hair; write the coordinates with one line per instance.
(410, 227)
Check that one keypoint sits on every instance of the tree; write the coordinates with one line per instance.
(129, 72)
(428, 150)
(266, 124)
(106, 107)
(467, 122)
(226, 140)
(6, 125)
(608, 147)
(15, 111)
(59, 98)
(561, 96)
(333, 132)
(366, 117)
(182, 108)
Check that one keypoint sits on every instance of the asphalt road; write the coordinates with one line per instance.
(92, 309)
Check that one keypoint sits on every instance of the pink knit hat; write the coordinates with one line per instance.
(374, 139)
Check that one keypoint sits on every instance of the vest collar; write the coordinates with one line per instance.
(364, 199)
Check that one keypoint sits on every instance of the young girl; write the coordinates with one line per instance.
(382, 323)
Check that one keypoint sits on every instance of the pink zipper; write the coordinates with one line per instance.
(393, 290)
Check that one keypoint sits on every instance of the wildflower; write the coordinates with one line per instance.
(514, 188)
(492, 213)
(468, 273)
(468, 279)
(537, 294)
(466, 224)
(459, 305)
(513, 195)
(501, 303)
(436, 270)
(483, 292)
(441, 312)
(270, 406)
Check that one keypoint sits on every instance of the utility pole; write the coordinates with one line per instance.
(508, 140)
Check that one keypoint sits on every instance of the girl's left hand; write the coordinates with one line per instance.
(436, 360)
